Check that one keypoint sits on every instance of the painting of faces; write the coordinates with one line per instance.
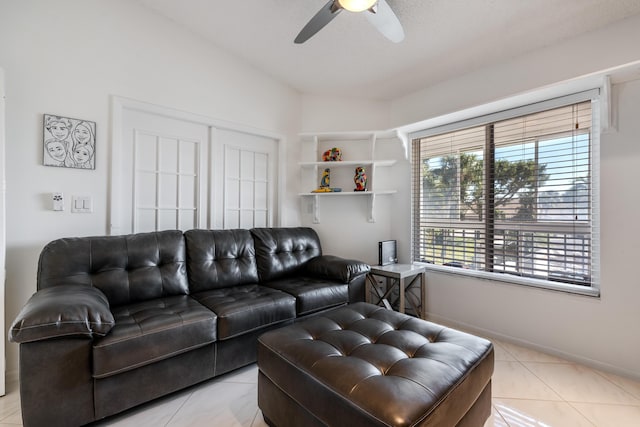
(69, 143)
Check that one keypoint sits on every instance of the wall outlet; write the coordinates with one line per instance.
(58, 201)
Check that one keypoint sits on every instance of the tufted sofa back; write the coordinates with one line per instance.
(126, 269)
(280, 252)
(220, 258)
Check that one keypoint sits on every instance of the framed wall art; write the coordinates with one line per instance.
(69, 143)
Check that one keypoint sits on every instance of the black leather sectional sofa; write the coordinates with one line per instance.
(121, 320)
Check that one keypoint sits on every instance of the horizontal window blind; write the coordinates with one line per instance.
(511, 197)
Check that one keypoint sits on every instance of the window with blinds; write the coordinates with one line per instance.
(510, 197)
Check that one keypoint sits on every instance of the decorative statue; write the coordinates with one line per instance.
(360, 179)
(333, 155)
(325, 183)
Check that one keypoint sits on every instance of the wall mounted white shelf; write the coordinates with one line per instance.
(349, 163)
(368, 194)
(360, 146)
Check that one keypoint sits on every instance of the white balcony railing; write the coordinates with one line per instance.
(553, 251)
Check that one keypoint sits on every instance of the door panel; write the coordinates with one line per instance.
(175, 170)
(244, 180)
(162, 173)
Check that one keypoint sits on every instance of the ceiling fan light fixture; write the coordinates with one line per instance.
(382, 17)
(357, 5)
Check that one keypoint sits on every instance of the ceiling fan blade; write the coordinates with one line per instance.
(386, 21)
(320, 19)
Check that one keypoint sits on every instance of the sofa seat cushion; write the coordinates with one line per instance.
(247, 308)
(313, 294)
(151, 331)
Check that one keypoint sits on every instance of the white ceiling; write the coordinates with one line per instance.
(444, 38)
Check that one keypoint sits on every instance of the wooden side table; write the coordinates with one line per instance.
(397, 275)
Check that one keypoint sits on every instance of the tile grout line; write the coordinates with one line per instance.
(568, 402)
(178, 409)
(624, 390)
(573, 363)
(582, 414)
(505, 350)
(584, 417)
(500, 414)
(17, 411)
(522, 364)
(255, 417)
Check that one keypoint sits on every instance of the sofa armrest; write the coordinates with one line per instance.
(63, 311)
(336, 268)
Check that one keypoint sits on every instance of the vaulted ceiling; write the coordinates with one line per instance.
(444, 38)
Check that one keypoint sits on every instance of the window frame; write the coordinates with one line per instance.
(592, 95)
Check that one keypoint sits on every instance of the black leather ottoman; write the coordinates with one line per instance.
(363, 365)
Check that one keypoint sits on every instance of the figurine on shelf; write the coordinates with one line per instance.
(325, 183)
(333, 155)
(360, 179)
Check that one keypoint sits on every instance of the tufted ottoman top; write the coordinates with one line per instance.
(364, 365)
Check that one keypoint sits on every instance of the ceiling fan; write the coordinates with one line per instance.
(378, 13)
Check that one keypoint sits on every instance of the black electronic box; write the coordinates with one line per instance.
(387, 252)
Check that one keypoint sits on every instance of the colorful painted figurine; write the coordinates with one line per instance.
(360, 179)
(325, 184)
(333, 155)
(325, 181)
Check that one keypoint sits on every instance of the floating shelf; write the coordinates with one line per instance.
(370, 194)
(349, 193)
(350, 163)
(366, 147)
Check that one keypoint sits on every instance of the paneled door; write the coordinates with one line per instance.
(177, 170)
(245, 179)
(161, 178)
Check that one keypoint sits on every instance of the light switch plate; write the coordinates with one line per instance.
(58, 201)
(81, 204)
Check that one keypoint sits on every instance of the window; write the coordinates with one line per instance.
(513, 196)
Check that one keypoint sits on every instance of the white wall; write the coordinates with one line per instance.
(604, 332)
(335, 114)
(343, 228)
(608, 47)
(67, 58)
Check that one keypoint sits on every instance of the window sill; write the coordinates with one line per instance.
(515, 280)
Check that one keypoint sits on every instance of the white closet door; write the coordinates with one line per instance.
(244, 179)
(161, 174)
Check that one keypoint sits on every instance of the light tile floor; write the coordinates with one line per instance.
(529, 389)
